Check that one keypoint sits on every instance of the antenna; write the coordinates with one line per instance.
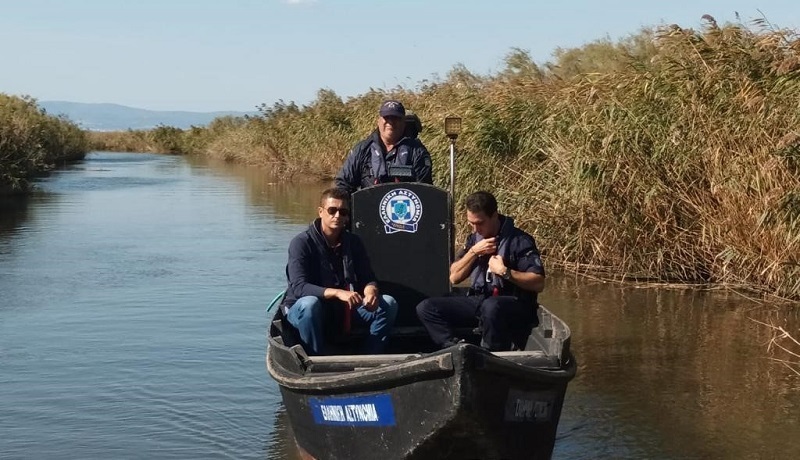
(452, 128)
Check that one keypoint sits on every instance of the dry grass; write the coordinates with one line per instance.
(670, 157)
(784, 348)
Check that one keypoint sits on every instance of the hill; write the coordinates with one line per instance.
(115, 117)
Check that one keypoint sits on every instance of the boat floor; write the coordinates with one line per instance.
(406, 344)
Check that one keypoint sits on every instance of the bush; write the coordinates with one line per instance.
(32, 142)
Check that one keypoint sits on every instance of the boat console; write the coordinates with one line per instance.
(407, 230)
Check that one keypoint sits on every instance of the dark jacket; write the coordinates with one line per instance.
(519, 252)
(311, 266)
(363, 168)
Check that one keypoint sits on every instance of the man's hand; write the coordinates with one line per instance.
(351, 298)
(370, 298)
(485, 246)
(496, 265)
(461, 268)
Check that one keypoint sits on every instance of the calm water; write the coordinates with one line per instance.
(132, 295)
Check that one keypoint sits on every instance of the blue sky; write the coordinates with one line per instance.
(205, 55)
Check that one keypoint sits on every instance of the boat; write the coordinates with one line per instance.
(416, 401)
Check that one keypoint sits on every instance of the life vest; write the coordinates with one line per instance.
(396, 167)
(486, 283)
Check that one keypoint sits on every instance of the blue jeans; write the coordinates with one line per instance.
(308, 315)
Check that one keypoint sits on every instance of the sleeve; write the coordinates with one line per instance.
(363, 267)
(299, 269)
(423, 168)
(467, 245)
(349, 176)
(528, 257)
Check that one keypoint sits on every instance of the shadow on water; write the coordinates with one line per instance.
(13, 213)
(18, 212)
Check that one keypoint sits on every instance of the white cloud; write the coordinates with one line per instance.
(299, 2)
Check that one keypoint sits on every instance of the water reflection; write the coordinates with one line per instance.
(674, 374)
(281, 446)
(290, 202)
(13, 213)
(132, 314)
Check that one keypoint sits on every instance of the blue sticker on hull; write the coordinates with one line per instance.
(374, 410)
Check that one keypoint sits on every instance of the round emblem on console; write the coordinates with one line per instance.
(400, 211)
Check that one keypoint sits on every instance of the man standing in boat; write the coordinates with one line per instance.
(507, 274)
(328, 268)
(387, 155)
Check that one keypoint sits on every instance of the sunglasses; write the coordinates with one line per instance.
(332, 210)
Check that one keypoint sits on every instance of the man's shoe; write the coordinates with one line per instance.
(452, 342)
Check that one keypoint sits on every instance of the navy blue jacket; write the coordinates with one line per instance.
(519, 252)
(358, 171)
(310, 269)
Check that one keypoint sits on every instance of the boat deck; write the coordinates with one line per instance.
(412, 343)
(353, 363)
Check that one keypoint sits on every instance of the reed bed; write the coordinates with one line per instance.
(682, 167)
(672, 156)
(32, 142)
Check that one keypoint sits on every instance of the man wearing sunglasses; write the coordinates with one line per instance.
(390, 154)
(328, 269)
(507, 274)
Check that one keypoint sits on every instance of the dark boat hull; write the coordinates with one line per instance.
(464, 402)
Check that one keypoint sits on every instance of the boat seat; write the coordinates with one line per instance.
(289, 333)
(413, 331)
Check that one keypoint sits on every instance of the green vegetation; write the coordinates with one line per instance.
(670, 156)
(162, 139)
(31, 142)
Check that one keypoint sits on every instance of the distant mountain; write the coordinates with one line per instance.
(115, 117)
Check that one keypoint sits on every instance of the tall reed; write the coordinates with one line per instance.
(672, 155)
(31, 142)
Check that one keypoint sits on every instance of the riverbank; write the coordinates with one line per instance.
(32, 142)
(672, 156)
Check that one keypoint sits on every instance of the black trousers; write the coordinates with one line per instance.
(504, 319)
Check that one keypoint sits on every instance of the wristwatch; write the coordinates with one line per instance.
(506, 274)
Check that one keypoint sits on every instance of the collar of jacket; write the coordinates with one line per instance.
(375, 137)
(316, 232)
(479, 271)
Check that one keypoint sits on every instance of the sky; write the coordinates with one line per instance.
(204, 55)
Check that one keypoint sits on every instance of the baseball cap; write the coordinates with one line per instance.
(392, 109)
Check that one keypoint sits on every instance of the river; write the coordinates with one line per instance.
(132, 325)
